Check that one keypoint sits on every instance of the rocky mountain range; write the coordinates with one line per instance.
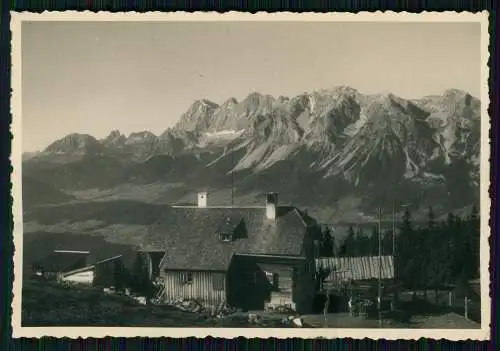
(317, 149)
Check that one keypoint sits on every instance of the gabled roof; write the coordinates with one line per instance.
(189, 235)
(356, 268)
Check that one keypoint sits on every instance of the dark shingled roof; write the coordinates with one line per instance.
(190, 235)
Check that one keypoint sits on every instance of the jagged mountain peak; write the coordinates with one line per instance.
(340, 90)
(335, 140)
(457, 93)
(230, 102)
(283, 99)
(455, 116)
(114, 134)
(114, 139)
(256, 98)
(141, 137)
(198, 116)
(275, 126)
(75, 143)
(330, 117)
(146, 134)
(205, 103)
(449, 99)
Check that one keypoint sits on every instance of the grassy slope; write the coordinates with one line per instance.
(35, 193)
(47, 304)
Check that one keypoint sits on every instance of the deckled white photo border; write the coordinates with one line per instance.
(75, 332)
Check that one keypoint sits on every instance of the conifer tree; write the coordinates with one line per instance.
(406, 226)
(431, 222)
(349, 242)
(475, 236)
(374, 241)
(327, 242)
(362, 243)
(387, 243)
(406, 265)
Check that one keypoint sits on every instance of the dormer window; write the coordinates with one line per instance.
(229, 228)
(226, 237)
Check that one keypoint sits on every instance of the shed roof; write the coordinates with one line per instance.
(356, 268)
(189, 235)
(90, 267)
(60, 261)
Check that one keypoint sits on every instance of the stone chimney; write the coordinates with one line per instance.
(271, 205)
(202, 199)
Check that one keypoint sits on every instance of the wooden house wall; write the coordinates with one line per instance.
(152, 260)
(283, 296)
(208, 288)
(109, 274)
(305, 286)
(85, 277)
(247, 285)
(249, 288)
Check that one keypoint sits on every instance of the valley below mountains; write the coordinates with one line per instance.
(336, 153)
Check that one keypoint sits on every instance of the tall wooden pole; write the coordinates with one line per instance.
(393, 229)
(394, 291)
(380, 267)
(232, 179)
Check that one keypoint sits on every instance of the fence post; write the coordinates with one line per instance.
(466, 301)
(449, 299)
(325, 309)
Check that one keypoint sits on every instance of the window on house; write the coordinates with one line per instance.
(226, 237)
(187, 277)
(273, 279)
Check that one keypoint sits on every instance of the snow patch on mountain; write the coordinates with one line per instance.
(224, 134)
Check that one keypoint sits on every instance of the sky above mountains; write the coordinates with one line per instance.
(95, 77)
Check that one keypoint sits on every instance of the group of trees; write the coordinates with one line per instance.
(358, 243)
(438, 253)
(327, 243)
(429, 255)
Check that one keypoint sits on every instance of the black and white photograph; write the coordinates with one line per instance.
(308, 175)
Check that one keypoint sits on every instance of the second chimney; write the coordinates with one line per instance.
(202, 199)
(271, 205)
